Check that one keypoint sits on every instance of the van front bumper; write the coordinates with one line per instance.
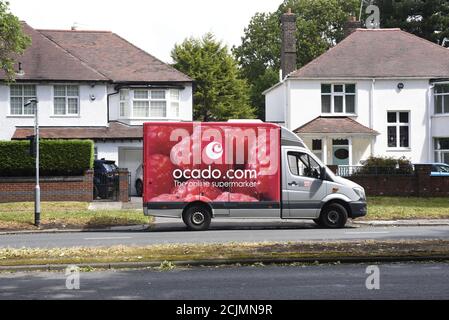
(358, 209)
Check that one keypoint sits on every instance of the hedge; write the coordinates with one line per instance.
(57, 158)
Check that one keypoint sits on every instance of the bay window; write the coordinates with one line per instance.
(441, 93)
(338, 98)
(442, 150)
(19, 95)
(145, 103)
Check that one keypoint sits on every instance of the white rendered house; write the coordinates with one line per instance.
(92, 85)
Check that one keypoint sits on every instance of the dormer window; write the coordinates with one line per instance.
(338, 99)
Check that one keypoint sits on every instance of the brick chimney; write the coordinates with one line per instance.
(351, 26)
(288, 50)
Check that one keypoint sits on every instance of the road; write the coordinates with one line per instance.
(397, 281)
(222, 232)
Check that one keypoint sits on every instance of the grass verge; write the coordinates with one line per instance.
(65, 215)
(237, 252)
(403, 208)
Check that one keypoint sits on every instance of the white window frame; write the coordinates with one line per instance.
(438, 151)
(67, 97)
(343, 94)
(398, 124)
(444, 96)
(24, 100)
(170, 104)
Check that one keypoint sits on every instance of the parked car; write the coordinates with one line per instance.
(139, 181)
(105, 178)
(440, 169)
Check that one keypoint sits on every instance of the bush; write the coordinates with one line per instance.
(57, 157)
(386, 165)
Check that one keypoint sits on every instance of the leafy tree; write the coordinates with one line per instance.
(319, 26)
(13, 41)
(428, 19)
(220, 93)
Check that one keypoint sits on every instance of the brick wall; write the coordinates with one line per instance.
(52, 188)
(124, 185)
(419, 184)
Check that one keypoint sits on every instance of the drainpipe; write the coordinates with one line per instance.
(371, 115)
(429, 122)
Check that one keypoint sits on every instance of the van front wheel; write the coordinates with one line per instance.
(334, 216)
(197, 218)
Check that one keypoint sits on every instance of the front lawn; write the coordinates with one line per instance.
(400, 208)
(65, 215)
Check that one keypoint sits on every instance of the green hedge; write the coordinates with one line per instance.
(57, 157)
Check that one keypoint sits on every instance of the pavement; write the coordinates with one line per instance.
(342, 282)
(167, 231)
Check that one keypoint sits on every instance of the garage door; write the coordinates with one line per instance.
(130, 159)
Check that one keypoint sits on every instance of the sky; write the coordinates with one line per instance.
(153, 25)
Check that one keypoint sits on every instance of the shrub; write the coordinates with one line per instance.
(386, 165)
(57, 157)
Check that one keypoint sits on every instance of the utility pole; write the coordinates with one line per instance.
(37, 189)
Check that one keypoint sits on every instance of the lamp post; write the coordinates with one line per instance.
(37, 189)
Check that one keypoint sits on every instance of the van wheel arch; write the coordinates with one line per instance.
(334, 215)
(340, 202)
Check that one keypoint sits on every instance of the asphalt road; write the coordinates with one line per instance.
(397, 281)
(222, 232)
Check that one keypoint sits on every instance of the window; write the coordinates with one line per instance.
(441, 98)
(338, 98)
(398, 130)
(150, 103)
(442, 150)
(317, 148)
(124, 103)
(66, 100)
(19, 95)
(303, 165)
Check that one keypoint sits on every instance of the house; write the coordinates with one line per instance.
(381, 92)
(92, 85)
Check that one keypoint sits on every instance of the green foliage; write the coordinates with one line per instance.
(57, 157)
(12, 40)
(319, 26)
(428, 19)
(220, 93)
(386, 165)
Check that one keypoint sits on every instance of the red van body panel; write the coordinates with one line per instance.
(224, 164)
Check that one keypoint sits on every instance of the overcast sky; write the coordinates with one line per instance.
(153, 25)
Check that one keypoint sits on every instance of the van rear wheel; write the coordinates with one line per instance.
(197, 218)
(334, 216)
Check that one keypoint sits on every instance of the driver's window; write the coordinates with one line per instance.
(301, 164)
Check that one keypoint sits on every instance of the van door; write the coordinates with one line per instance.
(304, 189)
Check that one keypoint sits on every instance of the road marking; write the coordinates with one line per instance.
(367, 232)
(109, 238)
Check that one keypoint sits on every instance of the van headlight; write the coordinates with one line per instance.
(361, 193)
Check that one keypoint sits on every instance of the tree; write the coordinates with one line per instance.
(220, 93)
(428, 19)
(13, 41)
(319, 26)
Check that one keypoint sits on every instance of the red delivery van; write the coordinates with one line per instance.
(198, 171)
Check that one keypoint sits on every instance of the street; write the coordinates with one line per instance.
(397, 281)
(173, 231)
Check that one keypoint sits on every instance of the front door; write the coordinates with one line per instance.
(305, 189)
(340, 152)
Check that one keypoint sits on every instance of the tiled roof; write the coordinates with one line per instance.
(45, 60)
(334, 125)
(379, 53)
(115, 57)
(115, 131)
(61, 55)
